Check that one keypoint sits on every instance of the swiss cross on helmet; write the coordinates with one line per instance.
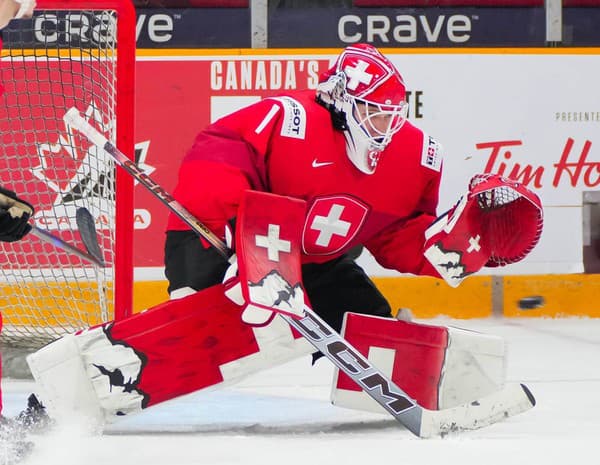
(366, 94)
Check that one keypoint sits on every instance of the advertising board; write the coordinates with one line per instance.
(533, 115)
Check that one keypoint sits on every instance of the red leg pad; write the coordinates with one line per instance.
(411, 354)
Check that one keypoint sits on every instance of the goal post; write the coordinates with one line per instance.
(71, 53)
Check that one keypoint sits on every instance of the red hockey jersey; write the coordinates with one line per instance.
(287, 145)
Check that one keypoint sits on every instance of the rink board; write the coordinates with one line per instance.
(536, 117)
(531, 114)
(476, 297)
(500, 113)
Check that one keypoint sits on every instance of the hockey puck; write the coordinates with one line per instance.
(531, 303)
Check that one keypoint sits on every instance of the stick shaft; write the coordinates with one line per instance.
(60, 243)
(74, 119)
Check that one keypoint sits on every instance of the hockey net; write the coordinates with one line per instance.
(71, 53)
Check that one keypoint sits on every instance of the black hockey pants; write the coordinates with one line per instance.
(333, 288)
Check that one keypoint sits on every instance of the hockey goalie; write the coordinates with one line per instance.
(217, 336)
(297, 182)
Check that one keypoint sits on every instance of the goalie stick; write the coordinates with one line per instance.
(73, 118)
(60, 243)
(87, 231)
(7, 202)
(512, 399)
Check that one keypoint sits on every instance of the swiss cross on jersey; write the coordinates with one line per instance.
(273, 230)
(331, 224)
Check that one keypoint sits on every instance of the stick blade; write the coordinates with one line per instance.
(87, 230)
(513, 399)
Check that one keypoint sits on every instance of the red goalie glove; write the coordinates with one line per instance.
(499, 221)
(513, 217)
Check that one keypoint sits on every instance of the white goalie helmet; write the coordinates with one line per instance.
(366, 92)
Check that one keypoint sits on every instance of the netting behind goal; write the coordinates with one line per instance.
(71, 53)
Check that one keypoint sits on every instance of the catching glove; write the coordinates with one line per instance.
(497, 222)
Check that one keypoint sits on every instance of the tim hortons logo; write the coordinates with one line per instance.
(572, 166)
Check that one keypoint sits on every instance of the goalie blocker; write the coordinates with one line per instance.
(200, 341)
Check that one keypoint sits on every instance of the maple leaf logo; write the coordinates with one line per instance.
(81, 174)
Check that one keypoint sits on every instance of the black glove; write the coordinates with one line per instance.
(14, 216)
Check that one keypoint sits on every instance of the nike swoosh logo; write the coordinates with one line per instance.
(318, 164)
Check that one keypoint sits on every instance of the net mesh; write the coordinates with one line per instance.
(50, 63)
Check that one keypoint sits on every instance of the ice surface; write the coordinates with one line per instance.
(283, 416)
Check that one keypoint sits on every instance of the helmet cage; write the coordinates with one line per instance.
(378, 122)
(366, 97)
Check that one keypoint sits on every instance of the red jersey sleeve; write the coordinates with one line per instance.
(256, 124)
(226, 158)
(400, 245)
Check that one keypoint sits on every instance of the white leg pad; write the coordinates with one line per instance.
(475, 366)
(74, 374)
(66, 389)
(277, 345)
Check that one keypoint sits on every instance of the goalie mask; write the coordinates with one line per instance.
(367, 98)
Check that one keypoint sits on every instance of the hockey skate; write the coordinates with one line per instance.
(34, 419)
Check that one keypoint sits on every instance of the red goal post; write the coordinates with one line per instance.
(71, 53)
